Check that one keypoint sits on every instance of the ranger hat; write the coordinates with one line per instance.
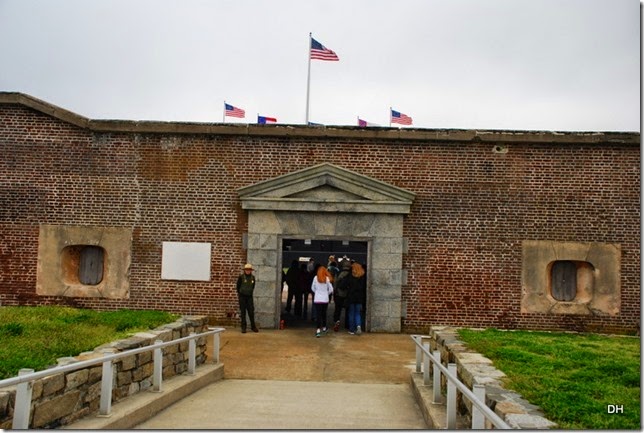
(248, 266)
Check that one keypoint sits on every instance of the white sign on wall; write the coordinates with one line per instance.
(189, 261)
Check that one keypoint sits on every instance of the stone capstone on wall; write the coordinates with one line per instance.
(475, 369)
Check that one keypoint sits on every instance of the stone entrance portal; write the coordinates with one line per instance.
(328, 202)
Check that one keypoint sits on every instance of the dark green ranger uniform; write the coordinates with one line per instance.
(245, 288)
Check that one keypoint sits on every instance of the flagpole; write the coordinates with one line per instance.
(223, 120)
(390, 117)
(308, 80)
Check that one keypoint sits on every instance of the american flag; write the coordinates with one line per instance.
(320, 52)
(262, 120)
(398, 117)
(233, 111)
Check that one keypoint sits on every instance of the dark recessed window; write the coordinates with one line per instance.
(83, 264)
(563, 278)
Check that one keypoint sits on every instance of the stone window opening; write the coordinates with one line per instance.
(571, 280)
(83, 264)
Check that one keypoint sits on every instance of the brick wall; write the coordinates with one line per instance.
(474, 207)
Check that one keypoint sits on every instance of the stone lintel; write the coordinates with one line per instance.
(312, 205)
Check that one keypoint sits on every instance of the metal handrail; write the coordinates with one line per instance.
(27, 376)
(452, 378)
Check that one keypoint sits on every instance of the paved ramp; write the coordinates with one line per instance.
(300, 405)
(288, 379)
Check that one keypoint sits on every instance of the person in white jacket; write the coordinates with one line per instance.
(322, 290)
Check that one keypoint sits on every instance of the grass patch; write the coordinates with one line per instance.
(34, 337)
(572, 377)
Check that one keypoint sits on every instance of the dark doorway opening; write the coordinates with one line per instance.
(301, 251)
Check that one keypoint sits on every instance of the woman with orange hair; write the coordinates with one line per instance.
(322, 289)
(356, 296)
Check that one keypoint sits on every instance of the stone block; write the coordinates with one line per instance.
(128, 363)
(53, 239)
(144, 358)
(387, 245)
(386, 261)
(386, 292)
(93, 392)
(94, 374)
(53, 384)
(292, 223)
(5, 399)
(142, 372)
(388, 226)
(76, 378)
(264, 221)
(528, 422)
(123, 378)
(58, 407)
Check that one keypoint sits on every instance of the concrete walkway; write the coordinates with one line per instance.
(285, 379)
(288, 379)
(272, 404)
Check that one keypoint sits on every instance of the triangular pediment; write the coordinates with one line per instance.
(326, 188)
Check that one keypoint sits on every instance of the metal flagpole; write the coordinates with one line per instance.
(308, 80)
(224, 117)
(390, 117)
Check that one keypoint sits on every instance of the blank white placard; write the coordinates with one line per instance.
(188, 261)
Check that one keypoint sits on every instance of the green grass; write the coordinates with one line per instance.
(34, 337)
(572, 377)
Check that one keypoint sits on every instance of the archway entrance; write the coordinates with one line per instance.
(296, 304)
(326, 202)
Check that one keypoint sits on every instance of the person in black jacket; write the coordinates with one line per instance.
(291, 282)
(356, 297)
(245, 289)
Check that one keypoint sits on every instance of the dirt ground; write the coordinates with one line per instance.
(296, 354)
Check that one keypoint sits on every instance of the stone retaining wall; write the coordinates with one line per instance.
(63, 398)
(473, 368)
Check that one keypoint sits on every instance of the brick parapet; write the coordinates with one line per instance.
(479, 194)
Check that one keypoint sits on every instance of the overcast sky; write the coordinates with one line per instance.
(568, 65)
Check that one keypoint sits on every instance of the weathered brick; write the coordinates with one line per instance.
(473, 208)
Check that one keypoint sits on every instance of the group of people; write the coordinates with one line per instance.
(344, 285)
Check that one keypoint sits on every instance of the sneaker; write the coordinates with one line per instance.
(336, 327)
(318, 333)
(352, 333)
(358, 330)
(325, 330)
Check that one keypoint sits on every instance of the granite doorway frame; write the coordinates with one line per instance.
(328, 202)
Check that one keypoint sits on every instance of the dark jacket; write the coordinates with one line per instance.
(341, 283)
(356, 290)
(246, 284)
(292, 276)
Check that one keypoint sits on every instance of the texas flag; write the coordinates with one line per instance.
(263, 120)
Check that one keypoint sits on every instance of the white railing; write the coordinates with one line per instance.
(480, 411)
(26, 376)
